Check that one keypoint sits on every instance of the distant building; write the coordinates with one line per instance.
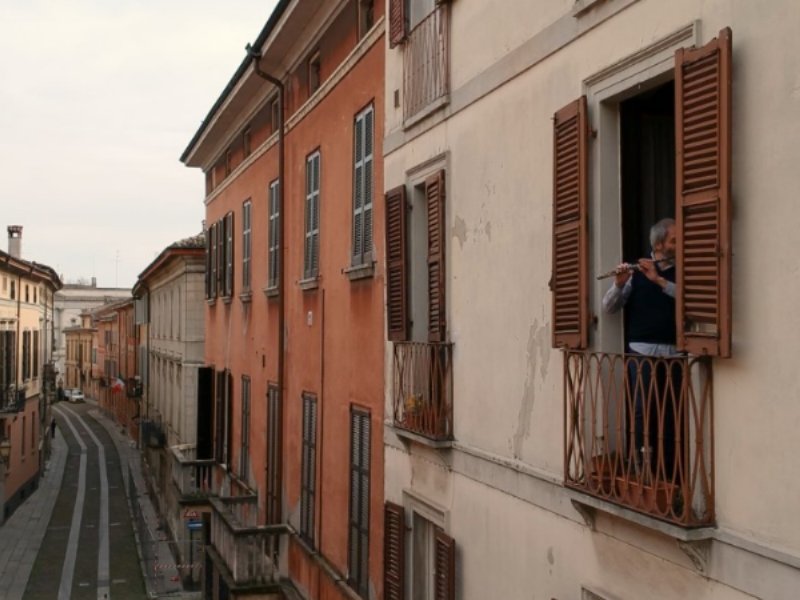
(70, 301)
(27, 292)
(169, 315)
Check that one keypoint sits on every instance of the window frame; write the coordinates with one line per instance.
(312, 216)
(359, 505)
(247, 207)
(273, 233)
(308, 468)
(362, 236)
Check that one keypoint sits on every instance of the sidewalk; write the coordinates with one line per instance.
(22, 534)
(160, 574)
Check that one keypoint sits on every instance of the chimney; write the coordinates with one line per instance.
(15, 240)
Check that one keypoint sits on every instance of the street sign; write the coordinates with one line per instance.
(194, 525)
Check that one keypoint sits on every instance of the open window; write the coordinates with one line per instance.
(638, 428)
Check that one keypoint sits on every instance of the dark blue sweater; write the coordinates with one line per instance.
(649, 312)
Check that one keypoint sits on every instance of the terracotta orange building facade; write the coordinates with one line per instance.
(298, 451)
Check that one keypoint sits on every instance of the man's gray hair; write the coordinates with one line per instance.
(658, 232)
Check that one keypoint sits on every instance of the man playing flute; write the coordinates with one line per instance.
(647, 292)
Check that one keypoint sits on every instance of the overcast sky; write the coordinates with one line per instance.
(98, 99)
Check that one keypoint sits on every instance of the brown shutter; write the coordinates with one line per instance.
(435, 195)
(444, 585)
(568, 283)
(394, 553)
(397, 22)
(703, 183)
(396, 265)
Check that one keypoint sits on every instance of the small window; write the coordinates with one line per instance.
(246, 245)
(274, 235)
(358, 545)
(13, 294)
(314, 73)
(27, 293)
(275, 113)
(311, 255)
(244, 450)
(366, 16)
(247, 140)
(228, 162)
(362, 187)
(308, 468)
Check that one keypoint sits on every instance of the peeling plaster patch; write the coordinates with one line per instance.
(538, 349)
(460, 231)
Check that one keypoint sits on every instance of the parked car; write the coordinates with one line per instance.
(73, 395)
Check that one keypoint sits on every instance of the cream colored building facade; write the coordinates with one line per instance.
(492, 479)
(26, 328)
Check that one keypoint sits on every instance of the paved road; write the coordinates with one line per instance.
(87, 547)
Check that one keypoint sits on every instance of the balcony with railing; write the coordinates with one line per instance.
(426, 63)
(423, 389)
(244, 547)
(638, 432)
(193, 477)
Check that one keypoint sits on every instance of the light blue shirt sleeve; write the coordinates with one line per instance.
(615, 298)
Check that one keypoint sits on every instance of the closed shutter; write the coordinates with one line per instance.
(394, 552)
(397, 22)
(568, 283)
(703, 202)
(229, 254)
(221, 257)
(358, 193)
(444, 556)
(208, 263)
(435, 195)
(396, 265)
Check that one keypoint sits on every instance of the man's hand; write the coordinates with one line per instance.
(623, 274)
(648, 269)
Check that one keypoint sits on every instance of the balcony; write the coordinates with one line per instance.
(426, 64)
(423, 389)
(193, 477)
(638, 433)
(244, 547)
(12, 399)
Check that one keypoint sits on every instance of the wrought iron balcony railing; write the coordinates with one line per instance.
(244, 546)
(423, 389)
(426, 62)
(192, 476)
(638, 432)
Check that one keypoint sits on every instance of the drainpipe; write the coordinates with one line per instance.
(255, 56)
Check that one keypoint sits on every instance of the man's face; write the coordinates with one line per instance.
(667, 247)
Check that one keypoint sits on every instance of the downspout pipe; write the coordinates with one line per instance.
(255, 56)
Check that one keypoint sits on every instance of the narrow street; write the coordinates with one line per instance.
(86, 545)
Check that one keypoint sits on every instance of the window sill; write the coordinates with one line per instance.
(356, 272)
(311, 283)
(246, 297)
(423, 114)
(271, 291)
(227, 299)
(211, 301)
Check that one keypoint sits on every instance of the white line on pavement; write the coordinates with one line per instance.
(103, 573)
(68, 570)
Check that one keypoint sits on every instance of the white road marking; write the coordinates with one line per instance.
(68, 570)
(103, 588)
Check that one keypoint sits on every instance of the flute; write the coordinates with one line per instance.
(629, 267)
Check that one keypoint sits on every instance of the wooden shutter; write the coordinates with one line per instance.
(397, 22)
(435, 195)
(229, 254)
(396, 265)
(568, 283)
(703, 200)
(394, 552)
(444, 556)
